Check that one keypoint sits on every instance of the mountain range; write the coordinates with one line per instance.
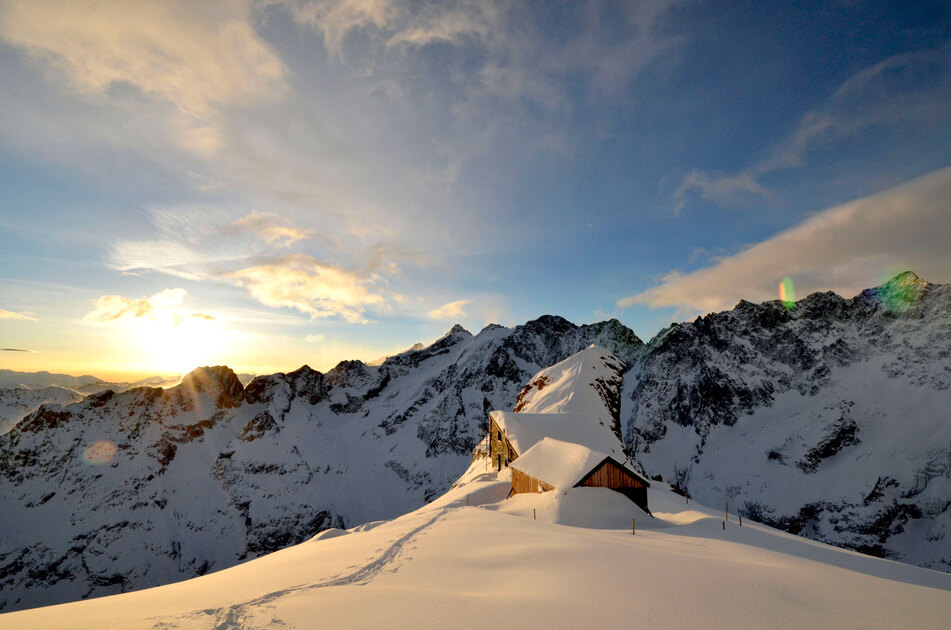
(827, 418)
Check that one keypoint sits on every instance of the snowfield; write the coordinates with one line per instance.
(554, 560)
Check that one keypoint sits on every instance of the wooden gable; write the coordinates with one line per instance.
(610, 474)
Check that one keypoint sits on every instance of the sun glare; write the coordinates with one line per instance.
(180, 345)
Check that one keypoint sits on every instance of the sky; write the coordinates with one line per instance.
(268, 183)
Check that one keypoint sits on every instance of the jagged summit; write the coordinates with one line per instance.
(219, 381)
(899, 293)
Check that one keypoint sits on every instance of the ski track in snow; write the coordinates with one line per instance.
(242, 616)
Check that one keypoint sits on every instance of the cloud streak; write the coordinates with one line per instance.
(195, 59)
(270, 228)
(450, 310)
(5, 314)
(909, 87)
(846, 248)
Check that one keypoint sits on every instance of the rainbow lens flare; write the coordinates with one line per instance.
(100, 452)
(787, 292)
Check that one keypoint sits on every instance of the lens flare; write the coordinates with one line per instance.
(787, 292)
(100, 452)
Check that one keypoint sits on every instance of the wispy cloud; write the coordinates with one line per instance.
(17, 350)
(846, 248)
(195, 59)
(5, 314)
(450, 310)
(113, 309)
(190, 241)
(270, 228)
(909, 87)
(313, 287)
(204, 245)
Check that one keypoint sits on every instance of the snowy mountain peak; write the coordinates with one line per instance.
(219, 381)
(588, 382)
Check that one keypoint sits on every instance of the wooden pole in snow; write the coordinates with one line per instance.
(633, 527)
(534, 516)
(723, 523)
(741, 520)
(467, 499)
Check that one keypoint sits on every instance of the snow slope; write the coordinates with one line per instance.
(450, 564)
(17, 403)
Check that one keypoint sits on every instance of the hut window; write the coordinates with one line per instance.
(499, 435)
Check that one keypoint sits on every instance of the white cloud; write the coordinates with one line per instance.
(450, 310)
(204, 244)
(313, 287)
(4, 314)
(318, 338)
(194, 242)
(846, 248)
(336, 18)
(271, 228)
(195, 56)
(112, 309)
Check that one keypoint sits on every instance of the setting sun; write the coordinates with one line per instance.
(180, 345)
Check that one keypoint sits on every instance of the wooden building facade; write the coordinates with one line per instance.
(615, 477)
(522, 482)
(501, 451)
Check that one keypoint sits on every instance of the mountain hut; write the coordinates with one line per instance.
(552, 465)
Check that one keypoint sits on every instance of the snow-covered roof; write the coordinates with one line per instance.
(557, 463)
(524, 430)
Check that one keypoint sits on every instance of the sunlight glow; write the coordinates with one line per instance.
(179, 345)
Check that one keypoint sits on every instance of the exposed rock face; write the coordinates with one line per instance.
(828, 418)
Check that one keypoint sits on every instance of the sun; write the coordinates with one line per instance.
(180, 345)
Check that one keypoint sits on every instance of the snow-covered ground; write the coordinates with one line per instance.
(17, 403)
(473, 559)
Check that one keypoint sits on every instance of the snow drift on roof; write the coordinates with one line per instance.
(557, 463)
(524, 430)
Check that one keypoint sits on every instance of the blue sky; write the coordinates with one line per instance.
(269, 183)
